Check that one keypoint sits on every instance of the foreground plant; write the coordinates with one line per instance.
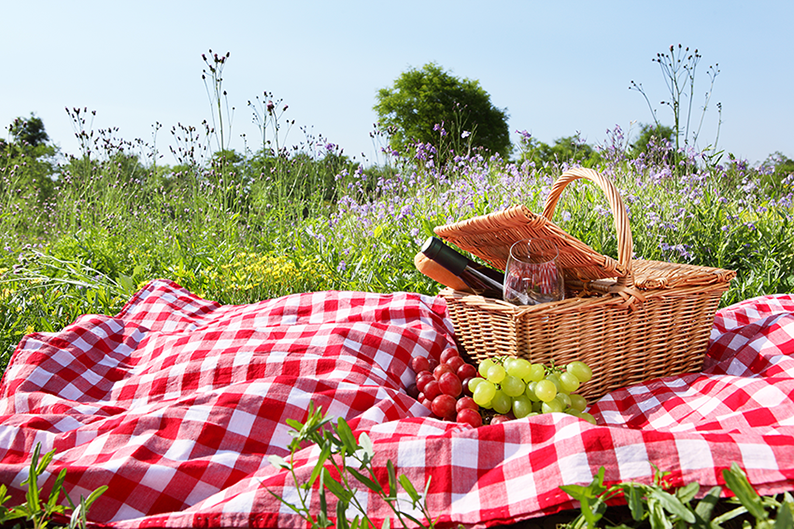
(339, 448)
(39, 513)
(657, 505)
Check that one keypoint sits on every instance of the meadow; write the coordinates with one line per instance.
(81, 233)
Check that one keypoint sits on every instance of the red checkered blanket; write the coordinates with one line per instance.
(177, 402)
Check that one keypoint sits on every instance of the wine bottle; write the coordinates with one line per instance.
(479, 278)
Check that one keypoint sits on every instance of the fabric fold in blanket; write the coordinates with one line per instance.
(177, 402)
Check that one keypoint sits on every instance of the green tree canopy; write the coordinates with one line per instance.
(32, 158)
(569, 149)
(421, 99)
(29, 131)
(659, 134)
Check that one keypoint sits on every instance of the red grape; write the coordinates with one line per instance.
(441, 369)
(420, 363)
(433, 363)
(443, 406)
(465, 383)
(412, 391)
(466, 371)
(423, 378)
(466, 402)
(427, 403)
(450, 384)
(455, 362)
(432, 390)
(448, 353)
(469, 416)
(499, 419)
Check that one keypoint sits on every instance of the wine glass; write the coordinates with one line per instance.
(531, 273)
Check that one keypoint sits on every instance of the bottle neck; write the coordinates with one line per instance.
(435, 249)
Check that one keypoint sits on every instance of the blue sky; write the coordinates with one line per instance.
(557, 67)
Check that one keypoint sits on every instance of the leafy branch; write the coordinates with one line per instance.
(656, 504)
(36, 510)
(343, 461)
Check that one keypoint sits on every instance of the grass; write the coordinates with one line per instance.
(238, 228)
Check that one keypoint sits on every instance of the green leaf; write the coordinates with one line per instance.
(295, 424)
(55, 492)
(657, 517)
(386, 524)
(392, 479)
(336, 488)
(341, 515)
(672, 504)
(346, 435)
(32, 494)
(577, 492)
(635, 502)
(736, 481)
(367, 482)
(688, 492)
(325, 453)
(127, 284)
(278, 461)
(95, 494)
(705, 506)
(409, 488)
(366, 444)
(784, 520)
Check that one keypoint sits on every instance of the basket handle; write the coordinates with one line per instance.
(622, 227)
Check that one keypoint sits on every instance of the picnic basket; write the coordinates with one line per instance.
(630, 320)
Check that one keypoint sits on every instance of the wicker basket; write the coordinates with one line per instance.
(629, 320)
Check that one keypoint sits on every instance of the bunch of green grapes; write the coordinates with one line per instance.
(515, 385)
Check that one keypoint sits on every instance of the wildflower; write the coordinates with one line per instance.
(465, 134)
(341, 267)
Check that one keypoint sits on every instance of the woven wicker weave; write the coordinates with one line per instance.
(629, 320)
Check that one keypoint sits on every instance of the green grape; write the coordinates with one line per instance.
(537, 407)
(501, 403)
(537, 372)
(496, 374)
(521, 406)
(552, 406)
(519, 368)
(578, 402)
(513, 386)
(508, 362)
(484, 393)
(545, 390)
(582, 415)
(484, 366)
(474, 382)
(568, 382)
(580, 370)
(554, 378)
(565, 399)
(530, 392)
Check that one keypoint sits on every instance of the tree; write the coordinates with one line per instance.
(654, 139)
(29, 158)
(570, 149)
(29, 132)
(422, 100)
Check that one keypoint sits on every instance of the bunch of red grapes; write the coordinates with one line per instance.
(443, 387)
